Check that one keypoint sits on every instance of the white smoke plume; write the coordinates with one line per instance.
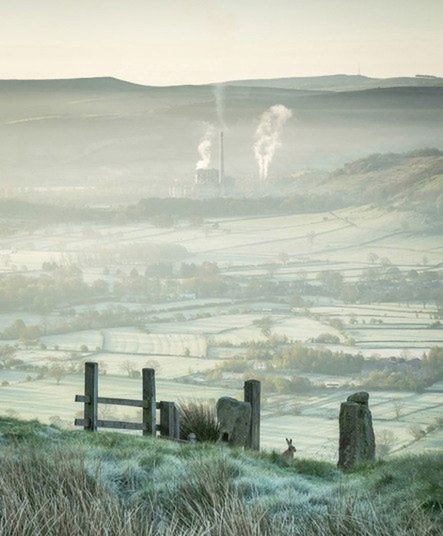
(268, 136)
(219, 94)
(205, 148)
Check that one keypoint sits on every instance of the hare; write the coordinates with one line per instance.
(288, 454)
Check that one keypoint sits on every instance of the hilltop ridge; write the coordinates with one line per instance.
(335, 82)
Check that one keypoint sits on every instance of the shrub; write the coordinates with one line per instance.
(327, 338)
(417, 432)
(198, 418)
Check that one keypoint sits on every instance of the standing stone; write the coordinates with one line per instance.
(234, 419)
(357, 441)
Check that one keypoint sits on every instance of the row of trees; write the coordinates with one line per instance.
(41, 294)
(385, 282)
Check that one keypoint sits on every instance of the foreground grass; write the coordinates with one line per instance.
(54, 482)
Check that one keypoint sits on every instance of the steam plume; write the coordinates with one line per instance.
(220, 105)
(267, 136)
(205, 148)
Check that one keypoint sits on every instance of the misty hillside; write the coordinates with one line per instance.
(413, 179)
(112, 137)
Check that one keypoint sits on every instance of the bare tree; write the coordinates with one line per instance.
(129, 368)
(417, 432)
(398, 406)
(385, 440)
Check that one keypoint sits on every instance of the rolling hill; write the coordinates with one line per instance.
(341, 82)
(108, 139)
(412, 180)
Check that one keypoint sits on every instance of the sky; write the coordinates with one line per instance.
(162, 42)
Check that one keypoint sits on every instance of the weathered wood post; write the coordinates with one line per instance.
(91, 397)
(168, 418)
(176, 422)
(149, 418)
(252, 390)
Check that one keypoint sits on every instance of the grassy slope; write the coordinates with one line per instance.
(58, 482)
(415, 177)
(412, 180)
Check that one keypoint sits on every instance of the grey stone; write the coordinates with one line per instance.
(357, 441)
(362, 397)
(234, 418)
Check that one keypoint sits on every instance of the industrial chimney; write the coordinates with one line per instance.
(221, 167)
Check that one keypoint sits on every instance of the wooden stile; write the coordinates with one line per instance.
(169, 425)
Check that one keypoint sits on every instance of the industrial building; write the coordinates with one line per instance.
(212, 182)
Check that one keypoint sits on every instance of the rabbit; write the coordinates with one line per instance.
(288, 454)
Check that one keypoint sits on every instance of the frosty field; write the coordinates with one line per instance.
(314, 427)
(184, 335)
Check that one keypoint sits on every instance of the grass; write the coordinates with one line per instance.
(199, 418)
(55, 482)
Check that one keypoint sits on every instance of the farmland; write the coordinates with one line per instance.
(227, 299)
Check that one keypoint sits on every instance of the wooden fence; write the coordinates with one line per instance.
(169, 422)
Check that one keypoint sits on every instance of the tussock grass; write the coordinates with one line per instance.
(199, 418)
(60, 483)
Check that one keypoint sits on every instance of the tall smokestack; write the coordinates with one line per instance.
(221, 167)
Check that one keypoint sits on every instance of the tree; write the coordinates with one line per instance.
(433, 363)
(283, 258)
(265, 324)
(385, 440)
(372, 258)
(398, 406)
(57, 372)
(417, 432)
(331, 280)
(128, 368)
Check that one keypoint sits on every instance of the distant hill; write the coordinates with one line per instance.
(412, 180)
(110, 140)
(341, 82)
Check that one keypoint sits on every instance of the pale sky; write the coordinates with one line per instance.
(197, 41)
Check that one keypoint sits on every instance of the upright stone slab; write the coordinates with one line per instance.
(357, 441)
(234, 418)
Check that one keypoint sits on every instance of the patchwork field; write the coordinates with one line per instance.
(184, 335)
(346, 237)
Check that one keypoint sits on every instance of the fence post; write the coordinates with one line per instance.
(252, 395)
(150, 406)
(168, 419)
(176, 422)
(91, 395)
